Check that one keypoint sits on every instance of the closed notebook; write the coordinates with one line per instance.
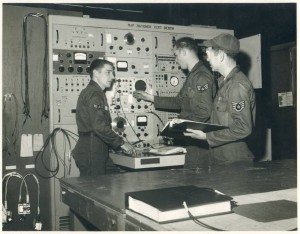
(176, 128)
(166, 204)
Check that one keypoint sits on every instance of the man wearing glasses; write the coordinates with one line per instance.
(94, 123)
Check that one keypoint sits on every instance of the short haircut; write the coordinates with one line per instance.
(98, 64)
(186, 43)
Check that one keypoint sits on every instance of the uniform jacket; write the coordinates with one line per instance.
(195, 97)
(234, 106)
(92, 115)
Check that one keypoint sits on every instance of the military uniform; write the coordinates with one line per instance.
(95, 134)
(195, 97)
(234, 106)
(194, 101)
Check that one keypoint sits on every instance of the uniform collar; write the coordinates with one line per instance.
(222, 80)
(235, 70)
(197, 65)
(95, 84)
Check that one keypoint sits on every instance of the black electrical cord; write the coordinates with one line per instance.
(24, 59)
(197, 221)
(45, 109)
(26, 107)
(14, 135)
(151, 112)
(51, 141)
(120, 106)
(139, 140)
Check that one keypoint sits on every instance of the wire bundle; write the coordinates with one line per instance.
(7, 213)
(116, 92)
(58, 158)
(10, 139)
(38, 189)
(153, 113)
(26, 102)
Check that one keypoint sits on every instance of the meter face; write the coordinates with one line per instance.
(174, 81)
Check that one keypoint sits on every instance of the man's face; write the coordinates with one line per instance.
(105, 76)
(212, 58)
(180, 57)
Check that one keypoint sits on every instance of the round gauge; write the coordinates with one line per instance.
(140, 85)
(174, 81)
(129, 39)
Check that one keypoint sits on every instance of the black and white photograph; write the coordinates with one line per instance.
(149, 116)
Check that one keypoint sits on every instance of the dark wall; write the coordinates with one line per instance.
(12, 83)
(283, 120)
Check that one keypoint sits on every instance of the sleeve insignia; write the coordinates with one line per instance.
(202, 88)
(99, 107)
(238, 106)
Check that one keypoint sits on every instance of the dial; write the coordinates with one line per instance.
(174, 81)
(129, 39)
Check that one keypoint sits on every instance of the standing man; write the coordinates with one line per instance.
(94, 122)
(194, 101)
(234, 105)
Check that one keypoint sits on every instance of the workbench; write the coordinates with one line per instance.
(269, 186)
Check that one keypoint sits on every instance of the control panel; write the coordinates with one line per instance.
(143, 59)
(73, 62)
(77, 37)
(128, 43)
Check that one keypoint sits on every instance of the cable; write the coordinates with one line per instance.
(151, 112)
(37, 220)
(116, 91)
(51, 141)
(6, 184)
(24, 56)
(193, 217)
(199, 222)
(126, 116)
(23, 208)
(15, 133)
(26, 107)
(8, 213)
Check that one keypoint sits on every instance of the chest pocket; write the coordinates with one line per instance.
(221, 105)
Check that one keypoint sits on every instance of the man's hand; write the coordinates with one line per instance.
(141, 95)
(197, 134)
(128, 148)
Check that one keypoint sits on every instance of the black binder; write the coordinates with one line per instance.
(175, 129)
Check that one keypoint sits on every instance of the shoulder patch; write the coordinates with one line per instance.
(238, 106)
(202, 88)
(98, 106)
